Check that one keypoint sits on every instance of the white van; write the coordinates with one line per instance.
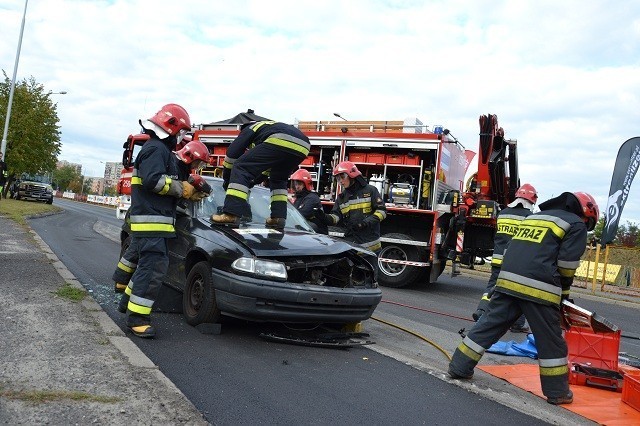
(124, 202)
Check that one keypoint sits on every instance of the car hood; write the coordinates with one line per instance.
(266, 242)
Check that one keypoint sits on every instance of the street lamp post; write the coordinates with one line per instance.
(3, 147)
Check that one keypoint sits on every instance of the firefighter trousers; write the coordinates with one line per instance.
(127, 264)
(483, 306)
(249, 167)
(544, 321)
(144, 287)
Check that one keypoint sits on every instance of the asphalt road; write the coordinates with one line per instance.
(238, 378)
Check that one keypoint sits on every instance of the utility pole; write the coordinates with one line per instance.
(3, 148)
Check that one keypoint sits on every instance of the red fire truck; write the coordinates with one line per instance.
(432, 214)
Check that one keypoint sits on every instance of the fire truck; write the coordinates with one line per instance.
(432, 214)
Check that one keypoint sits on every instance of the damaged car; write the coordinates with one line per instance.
(249, 271)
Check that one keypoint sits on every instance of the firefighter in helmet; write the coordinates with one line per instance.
(158, 182)
(193, 154)
(263, 147)
(506, 226)
(307, 201)
(536, 274)
(359, 208)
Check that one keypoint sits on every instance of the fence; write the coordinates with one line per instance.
(616, 268)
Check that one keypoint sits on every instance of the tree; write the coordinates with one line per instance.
(627, 234)
(63, 177)
(33, 139)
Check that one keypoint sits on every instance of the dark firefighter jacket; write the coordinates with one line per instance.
(506, 227)
(279, 135)
(307, 202)
(542, 257)
(156, 186)
(360, 203)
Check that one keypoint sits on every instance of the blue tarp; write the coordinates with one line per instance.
(526, 348)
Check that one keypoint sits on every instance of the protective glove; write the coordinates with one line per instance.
(199, 183)
(225, 185)
(370, 220)
(319, 214)
(198, 195)
(358, 226)
(187, 190)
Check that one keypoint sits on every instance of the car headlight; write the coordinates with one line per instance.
(262, 268)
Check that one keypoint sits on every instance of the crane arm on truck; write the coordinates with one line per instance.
(489, 190)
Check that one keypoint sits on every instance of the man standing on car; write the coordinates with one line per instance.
(156, 185)
(263, 146)
(537, 272)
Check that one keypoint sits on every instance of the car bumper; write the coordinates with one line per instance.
(263, 300)
(35, 196)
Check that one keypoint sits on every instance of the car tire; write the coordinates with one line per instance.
(50, 201)
(199, 298)
(396, 275)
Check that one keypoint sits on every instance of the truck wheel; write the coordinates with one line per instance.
(397, 275)
(199, 298)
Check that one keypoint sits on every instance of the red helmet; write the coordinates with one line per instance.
(347, 167)
(303, 176)
(172, 118)
(590, 210)
(528, 192)
(183, 141)
(194, 153)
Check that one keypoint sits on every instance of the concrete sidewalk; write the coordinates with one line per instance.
(65, 361)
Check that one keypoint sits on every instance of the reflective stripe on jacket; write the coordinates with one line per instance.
(360, 203)
(506, 227)
(542, 257)
(280, 135)
(156, 186)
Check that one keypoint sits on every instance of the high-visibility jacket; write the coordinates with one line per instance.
(156, 186)
(542, 257)
(282, 136)
(506, 227)
(360, 202)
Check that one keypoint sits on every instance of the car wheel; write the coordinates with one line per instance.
(199, 299)
(50, 201)
(396, 274)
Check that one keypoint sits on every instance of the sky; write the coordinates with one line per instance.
(563, 77)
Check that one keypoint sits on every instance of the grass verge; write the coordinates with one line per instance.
(72, 293)
(19, 210)
(42, 396)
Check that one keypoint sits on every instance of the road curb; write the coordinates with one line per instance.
(113, 333)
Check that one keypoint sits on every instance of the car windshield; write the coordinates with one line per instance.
(259, 202)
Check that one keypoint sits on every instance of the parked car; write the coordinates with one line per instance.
(252, 272)
(31, 190)
(124, 202)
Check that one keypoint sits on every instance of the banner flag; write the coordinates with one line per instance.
(624, 171)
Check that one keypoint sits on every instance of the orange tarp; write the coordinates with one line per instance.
(599, 405)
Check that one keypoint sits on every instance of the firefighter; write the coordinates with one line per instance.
(158, 182)
(537, 273)
(307, 201)
(507, 223)
(194, 154)
(359, 208)
(262, 147)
